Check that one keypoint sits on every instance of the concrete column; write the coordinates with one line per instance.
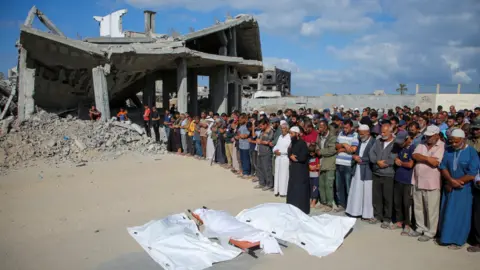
(26, 87)
(169, 83)
(149, 95)
(232, 42)
(100, 88)
(219, 89)
(438, 88)
(459, 87)
(182, 96)
(239, 96)
(192, 85)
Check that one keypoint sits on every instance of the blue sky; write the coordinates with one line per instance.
(331, 46)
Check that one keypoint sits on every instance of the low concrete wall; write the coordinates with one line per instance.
(425, 101)
(349, 101)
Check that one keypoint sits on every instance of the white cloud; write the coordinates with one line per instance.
(391, 41)
(321, 25)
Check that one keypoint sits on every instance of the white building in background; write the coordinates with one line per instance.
(111, 25)
(203, 92)
(379, 93)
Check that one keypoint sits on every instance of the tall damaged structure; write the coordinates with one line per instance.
(272, 83)
(59, 73)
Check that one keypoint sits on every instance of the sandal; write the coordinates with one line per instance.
(395, 226)
(406, 231)
(474, 248)
(454, 247)
(373, 221)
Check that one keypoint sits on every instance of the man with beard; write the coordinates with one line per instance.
(423, 122)
(382, 156)
(360, 194)
(298, 193)
(459, 166)
(414, 133)
(326, 151)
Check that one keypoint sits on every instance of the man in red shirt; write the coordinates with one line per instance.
(310, 135)
(146, 121)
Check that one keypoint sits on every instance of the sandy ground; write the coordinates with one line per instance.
(76, 218)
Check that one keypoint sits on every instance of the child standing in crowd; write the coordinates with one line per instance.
(403, 192)
(314, 169)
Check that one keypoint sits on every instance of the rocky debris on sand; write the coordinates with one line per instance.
(56, 140)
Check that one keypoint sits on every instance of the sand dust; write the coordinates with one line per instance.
(76, 218)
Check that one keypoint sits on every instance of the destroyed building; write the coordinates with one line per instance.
(59, 73)
(273, 82)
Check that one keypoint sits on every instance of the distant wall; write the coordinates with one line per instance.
(425, 101)
(349, 101)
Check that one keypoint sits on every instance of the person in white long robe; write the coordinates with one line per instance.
(360, 195)
(210, 144)
(282, 163)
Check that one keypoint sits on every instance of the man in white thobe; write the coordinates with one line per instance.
(360, 195)
(282, 162)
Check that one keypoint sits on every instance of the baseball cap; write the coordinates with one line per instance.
(275, 120)
(326, 110)
(432, 130)
(402, 123)
(401, 137)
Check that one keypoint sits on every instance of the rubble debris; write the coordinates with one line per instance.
(43, 138)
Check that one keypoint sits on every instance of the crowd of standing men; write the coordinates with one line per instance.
(407, 169)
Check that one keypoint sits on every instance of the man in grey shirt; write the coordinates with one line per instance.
(243, 144)
(265, 144)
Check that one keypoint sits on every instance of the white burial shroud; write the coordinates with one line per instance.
(318, 235)
(223, 226)
(175, 243)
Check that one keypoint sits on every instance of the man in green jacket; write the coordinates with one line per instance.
(327, 153)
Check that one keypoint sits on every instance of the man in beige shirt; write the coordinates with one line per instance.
(203, 133)
(427, 183)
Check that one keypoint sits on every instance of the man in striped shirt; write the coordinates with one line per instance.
(347, 143)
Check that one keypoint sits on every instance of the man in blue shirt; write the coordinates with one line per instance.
(402, 189)
(167, 119)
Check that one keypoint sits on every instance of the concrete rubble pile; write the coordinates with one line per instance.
(6, 87)
(49, 137)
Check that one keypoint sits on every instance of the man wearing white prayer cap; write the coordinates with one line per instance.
(298, 193)
(459, 167)
(282, 161)
(360, 195)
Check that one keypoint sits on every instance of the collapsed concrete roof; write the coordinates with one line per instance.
(66, 63)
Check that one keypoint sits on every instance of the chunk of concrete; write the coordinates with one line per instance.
(81, 146)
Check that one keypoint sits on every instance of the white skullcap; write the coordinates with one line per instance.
(283, 122)
(364, 127)
(295, 129)
(310, 116)
(341, 106)
(458, 133)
